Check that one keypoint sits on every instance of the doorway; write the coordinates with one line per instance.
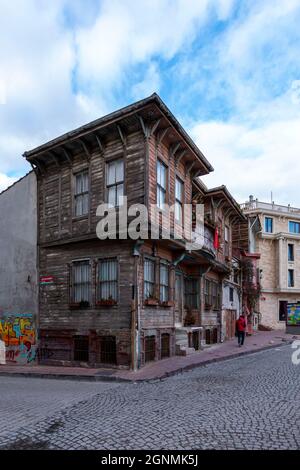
(230, 319)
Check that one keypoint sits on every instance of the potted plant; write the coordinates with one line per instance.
(189, 319)
(151, 301)
(167, 303)
(79, 305)
(109, 301)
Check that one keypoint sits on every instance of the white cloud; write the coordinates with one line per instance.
(61, 72)
(253, 160)
(258, 51)
(131, 32)
(59, 76)
(6, 181)
(151, 83)
(37, 58)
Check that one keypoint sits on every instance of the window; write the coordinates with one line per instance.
(230, 294)
(282, 310)
(178, 199)
(108, 280)
(191, 293)
(214, 295)
(164, 282)
(150, 347)
(207, 291)
(226, 239)
(115, 182)
(161, 188)
(165, 345)
(291, 278)
(236, 276)
(108, 349)
(81, 348)
(268, 224)
(149, 278)
(290, 252)
(294, 227)
(81, 281)
(81, 194)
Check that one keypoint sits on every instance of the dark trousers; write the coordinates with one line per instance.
(241, 337)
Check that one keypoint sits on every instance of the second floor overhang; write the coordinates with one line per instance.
(150, 116)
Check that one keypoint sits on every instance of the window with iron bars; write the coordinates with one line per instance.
(191, 293)
(81, 348)
(150, 346)
(108, 349)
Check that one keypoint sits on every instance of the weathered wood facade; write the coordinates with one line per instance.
(139, 300)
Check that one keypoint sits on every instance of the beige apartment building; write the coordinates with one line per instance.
(278, 243)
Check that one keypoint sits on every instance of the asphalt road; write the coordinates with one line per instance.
(252, 402)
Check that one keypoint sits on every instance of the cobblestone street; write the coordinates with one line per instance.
(252, 402)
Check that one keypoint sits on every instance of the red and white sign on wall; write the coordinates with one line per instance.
(46, 280)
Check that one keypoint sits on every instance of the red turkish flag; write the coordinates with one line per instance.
(216, 238)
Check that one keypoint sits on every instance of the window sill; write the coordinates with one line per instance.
(106, 303)
(151, 302)
(79, 306)
(80, 217)
(168, 303)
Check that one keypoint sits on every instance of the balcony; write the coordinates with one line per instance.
(268, 206)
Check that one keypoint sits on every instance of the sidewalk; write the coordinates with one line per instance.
(156, 370)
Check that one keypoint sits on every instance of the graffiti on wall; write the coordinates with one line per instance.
(293, 316)
(19, 335)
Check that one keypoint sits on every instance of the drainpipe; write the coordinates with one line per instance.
(202, 271)
(175, 264)
(135, 308)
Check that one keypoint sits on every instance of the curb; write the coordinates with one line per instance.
(210, 361)
(112, 378)
(214, 360)
(87, 378)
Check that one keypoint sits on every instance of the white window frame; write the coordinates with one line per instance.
(80, 284)
(179, 199)
(149, 283)
(294, 222)
(115, 185)
(81, 193)
(164, 288)
(161, 186)
(111, 284)
(271, 218)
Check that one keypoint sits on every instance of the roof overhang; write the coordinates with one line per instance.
(229, 204)
(150, 115)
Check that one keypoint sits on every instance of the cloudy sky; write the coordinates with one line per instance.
(228, 69)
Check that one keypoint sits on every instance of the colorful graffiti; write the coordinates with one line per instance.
(19, 335)
(293, 318)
